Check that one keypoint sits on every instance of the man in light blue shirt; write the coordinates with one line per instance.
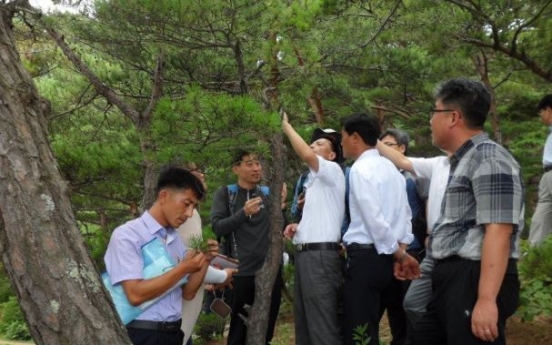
(541, 224)
(178, 191)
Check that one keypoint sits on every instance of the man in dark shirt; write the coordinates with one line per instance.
(243, 221)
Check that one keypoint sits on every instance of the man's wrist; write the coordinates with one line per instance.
(401, 255)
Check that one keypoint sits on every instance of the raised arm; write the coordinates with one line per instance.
(302, 149)
(397, 158)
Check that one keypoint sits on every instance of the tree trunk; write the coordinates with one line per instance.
(257, 323)
(58, 287)
(151, 174)
(481, 65)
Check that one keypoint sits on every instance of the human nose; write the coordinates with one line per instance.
(189, 211)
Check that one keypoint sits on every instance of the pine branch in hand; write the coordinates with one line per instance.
(197, 242)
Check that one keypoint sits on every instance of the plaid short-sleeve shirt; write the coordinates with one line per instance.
(485, 186)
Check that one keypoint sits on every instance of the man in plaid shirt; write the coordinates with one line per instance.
(475, 240)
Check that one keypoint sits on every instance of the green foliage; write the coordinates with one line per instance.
(17, 331)
(5, 287)
(535, 269)
(198, 243)
(209, 326)
(360, 335)
(12, 324)
(209, 127)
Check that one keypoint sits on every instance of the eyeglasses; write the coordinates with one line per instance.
(432, 111)
(391, 144)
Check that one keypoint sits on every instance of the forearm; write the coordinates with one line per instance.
(195, 280)
(494, 260)
(223, 222)
(397, 158)
(224, 226)
(140, 291)
(300, 146)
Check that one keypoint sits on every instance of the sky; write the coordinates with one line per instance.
(47, 5)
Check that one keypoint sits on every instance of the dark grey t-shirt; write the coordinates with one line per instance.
(250, 233)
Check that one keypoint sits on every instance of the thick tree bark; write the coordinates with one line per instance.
(58, 287)
(257, 323)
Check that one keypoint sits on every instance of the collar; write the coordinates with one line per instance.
(368, 153)
(156, 229)
(467, 146)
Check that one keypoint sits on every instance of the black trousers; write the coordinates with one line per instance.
(455, 287)
(393, 302)
(367, 276)
(393, 298)
(244, 293)
(150, 337)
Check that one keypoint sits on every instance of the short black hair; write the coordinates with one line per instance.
(545, 102)
(401, 137)
(472, 97)
(182, 179)
(367, 127)
(240, 154)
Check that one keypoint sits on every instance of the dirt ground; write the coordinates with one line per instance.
(537, 332)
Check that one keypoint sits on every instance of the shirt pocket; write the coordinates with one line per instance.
(459, 201)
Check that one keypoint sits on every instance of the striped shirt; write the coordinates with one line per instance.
(485, 186)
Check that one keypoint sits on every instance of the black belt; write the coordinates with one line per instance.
(156, 325)
(303, 247)
(358, 246)
(449, 259)
(547, 168)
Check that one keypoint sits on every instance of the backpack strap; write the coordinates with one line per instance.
(265, 190)
(295, 212)
(232, 193)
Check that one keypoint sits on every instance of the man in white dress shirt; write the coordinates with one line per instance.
(316, 238)
(379, 232)
(541, 223)
(436, 169)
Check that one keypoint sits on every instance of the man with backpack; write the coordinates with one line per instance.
(240, 215)
(318, 276)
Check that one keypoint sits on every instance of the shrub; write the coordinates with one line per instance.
(12, 324)
(535, 270)
(17, 331)
(209, 326)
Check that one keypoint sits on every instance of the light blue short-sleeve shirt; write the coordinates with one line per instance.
(123, 261)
